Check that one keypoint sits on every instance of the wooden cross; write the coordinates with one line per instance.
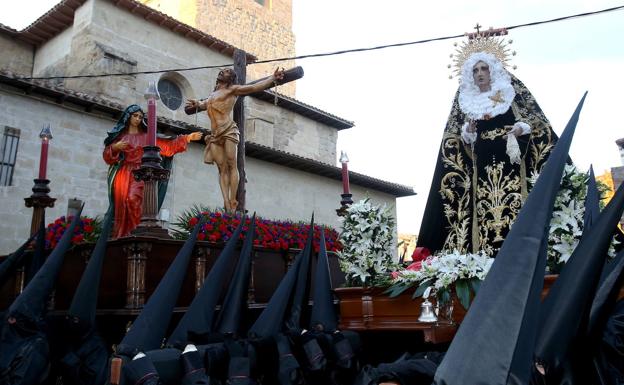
(477, 27)
(240, 68)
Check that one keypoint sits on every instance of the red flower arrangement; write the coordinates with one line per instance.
(270, 234)
(419, 255)
(86, 230)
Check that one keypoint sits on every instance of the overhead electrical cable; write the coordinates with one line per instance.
(334, 53)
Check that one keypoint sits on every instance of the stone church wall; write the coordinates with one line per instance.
(107, 39)
(76, 170)
(75, 165)
(264, 30)
(16, 56)
(287, 131)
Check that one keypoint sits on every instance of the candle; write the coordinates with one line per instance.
(45, 136)
(345, 172)
(151, 122)
(151, 94)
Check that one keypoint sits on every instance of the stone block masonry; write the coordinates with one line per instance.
(262, 30)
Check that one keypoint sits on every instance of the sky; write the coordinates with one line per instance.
(399, 98)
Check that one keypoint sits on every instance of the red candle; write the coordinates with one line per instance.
(43, 158)
(345, 178)
(151, 121)
(151, 95)
(45, 136)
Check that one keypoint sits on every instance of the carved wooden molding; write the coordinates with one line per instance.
(136, 253)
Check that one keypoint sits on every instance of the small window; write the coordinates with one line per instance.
(170, 94)
(8, 154)
(261, 2)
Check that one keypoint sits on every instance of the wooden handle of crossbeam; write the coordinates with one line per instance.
(290, 75)
(115, 371)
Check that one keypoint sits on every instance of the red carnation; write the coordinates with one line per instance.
(416, 266)
(420, 254)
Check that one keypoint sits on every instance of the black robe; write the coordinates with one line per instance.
(476, 191)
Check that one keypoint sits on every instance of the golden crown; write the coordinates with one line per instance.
(488, 41)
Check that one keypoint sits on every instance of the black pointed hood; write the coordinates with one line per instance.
(592, 202)
(301, 293)
(38, 257)
(271, 320)
(193, 367)
(566, 308)
(30, 304)
(140, 371)
(323, 310)
(235, 302)
(607, 293)
(199, 317)
(148, 330)
(494, 344)
(8, 266)
(84, 303)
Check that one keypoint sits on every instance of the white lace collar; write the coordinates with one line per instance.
(479, 105)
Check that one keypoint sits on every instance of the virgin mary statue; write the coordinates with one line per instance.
(495, 138)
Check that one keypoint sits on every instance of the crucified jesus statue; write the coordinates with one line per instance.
(222, 143)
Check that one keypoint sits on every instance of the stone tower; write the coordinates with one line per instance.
(260, 27)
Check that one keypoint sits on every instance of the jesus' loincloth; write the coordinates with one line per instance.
(228, 131)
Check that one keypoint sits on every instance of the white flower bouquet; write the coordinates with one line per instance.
(444, 271)
(367, 244)
(566, 225)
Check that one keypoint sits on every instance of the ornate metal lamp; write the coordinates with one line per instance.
(39, 200)
(151, 172)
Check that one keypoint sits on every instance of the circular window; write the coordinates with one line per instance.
(170, 94)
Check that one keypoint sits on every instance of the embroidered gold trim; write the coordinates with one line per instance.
(455, 190)
(493, 134)
(498, 201)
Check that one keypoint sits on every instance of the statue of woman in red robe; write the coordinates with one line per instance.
(123, 152)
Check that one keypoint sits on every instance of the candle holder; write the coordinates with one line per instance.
(345, 202)
(346, 193)
(39, 200)
(151, 172)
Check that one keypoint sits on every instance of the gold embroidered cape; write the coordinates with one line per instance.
(476, 191)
